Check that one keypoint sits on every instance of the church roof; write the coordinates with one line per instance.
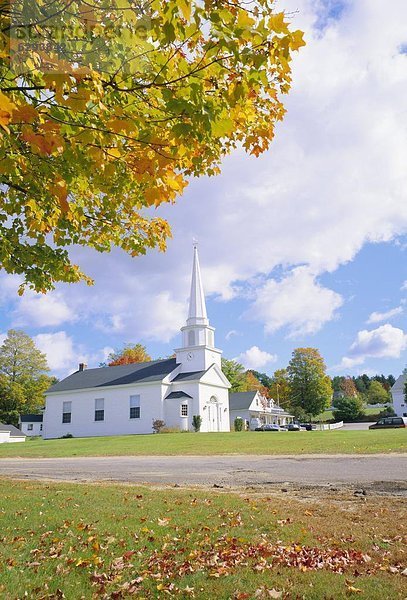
(144, 372)
(191, 376)
(177, 395)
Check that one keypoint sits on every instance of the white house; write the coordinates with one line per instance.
(31, 424)
(256, 410)
(397, 392)
(126, 399)
(10, 434)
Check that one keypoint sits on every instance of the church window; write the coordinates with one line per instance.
(135, 407)
(191, 338)
(30, 427)
(66, 412)
(99, 409)
(210, 339)
(184, 410)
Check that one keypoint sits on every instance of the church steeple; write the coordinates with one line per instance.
(197, 307)
(198, 350)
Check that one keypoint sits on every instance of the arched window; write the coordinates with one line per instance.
(191, 338)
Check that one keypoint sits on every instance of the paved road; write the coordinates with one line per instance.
(355, 426)
(219, 470)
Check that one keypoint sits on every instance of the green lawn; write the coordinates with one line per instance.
(105, 541)
(303, 442)
(327, 415)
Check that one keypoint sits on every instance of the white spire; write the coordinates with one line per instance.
(197, 308)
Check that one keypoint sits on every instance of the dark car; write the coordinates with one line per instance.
(307, 426)
(390, 423)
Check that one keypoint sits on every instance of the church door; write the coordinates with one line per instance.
(213, 415)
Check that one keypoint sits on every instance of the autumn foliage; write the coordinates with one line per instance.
(129, 354)
(107, 109)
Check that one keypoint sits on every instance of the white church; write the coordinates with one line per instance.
(126, 399)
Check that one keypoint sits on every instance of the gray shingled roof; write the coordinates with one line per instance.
(191, 376)
(177, 395)
(120, 375)
(31, 418)
(241, 400)
(14, 432)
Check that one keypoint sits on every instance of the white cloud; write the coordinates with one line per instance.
(231, 334)
(254, 358)
(404, 286)
(384, 342)
(298, 302)
(58, 348)
(64, 356)
(43, 310)
(377, 317)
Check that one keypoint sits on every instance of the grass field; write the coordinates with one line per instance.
(327, 415)
(104, 541)
(303, 442)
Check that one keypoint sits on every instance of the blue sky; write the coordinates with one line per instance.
(305, 246)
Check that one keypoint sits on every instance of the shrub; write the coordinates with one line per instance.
(238, 424)
(348, 408)
(158, 424)
(387, 412)
(196, 422)
(67, 436)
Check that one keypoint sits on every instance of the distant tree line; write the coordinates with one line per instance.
(303, 388)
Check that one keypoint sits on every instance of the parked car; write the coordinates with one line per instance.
(293, 427)
(308, 426)
(390, 423)
(272, 427)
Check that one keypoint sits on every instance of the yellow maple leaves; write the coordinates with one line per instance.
(6, 111)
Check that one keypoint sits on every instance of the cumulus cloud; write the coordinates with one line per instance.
(377, 317)
(63, 355)
(58, 348)
(384, 342)
(254, 358)
(297, 302)
(404, 286)
(43, 310)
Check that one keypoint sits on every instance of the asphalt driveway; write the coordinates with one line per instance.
(233, 471)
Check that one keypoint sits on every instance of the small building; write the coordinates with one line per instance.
(398, 395)
(10, 434)
(125, 399)
(31, 424)
(256, 410)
